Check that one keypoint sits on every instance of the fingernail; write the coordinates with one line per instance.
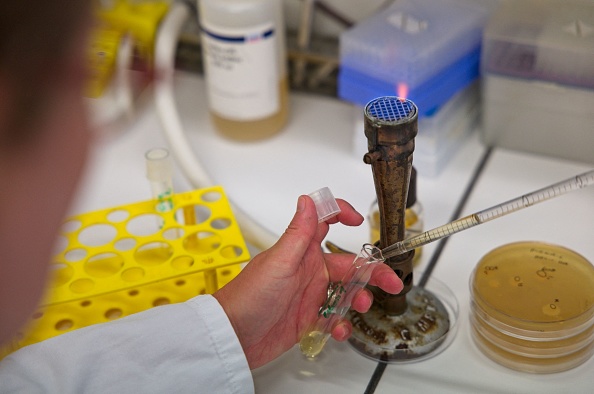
(346, 332)
(300, 204)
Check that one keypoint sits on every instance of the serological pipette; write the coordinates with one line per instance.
(497, 211)
(340, 297)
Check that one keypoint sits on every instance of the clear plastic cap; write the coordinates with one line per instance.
(158, 165)
(326, 205)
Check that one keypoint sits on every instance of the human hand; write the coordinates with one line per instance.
(278, 294)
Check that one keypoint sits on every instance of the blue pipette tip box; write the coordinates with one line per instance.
(423, 50)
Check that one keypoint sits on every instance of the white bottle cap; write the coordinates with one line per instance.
(326, 205)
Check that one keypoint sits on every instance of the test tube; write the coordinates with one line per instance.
(340, 297)
(159, 173)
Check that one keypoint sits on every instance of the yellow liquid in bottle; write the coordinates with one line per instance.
(256, 129)
(313, 342)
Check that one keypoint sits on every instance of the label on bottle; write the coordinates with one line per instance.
(242, 73)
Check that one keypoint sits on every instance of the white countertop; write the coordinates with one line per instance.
(314, 150)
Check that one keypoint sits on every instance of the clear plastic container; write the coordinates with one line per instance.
(326, 205)
(532, 307)
(538, 78)
(423, 50)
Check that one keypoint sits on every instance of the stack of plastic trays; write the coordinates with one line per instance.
(532, 307)
(423, 50)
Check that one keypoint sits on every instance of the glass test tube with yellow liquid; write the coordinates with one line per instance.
(340, 297)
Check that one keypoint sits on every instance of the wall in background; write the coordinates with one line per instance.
(353, 10)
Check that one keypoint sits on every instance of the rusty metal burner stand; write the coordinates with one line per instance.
(409, 326)
(391, 143)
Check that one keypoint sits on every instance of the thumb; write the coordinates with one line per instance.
(298, 236)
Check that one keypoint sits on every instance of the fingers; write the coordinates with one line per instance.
(382, 276)
(362, 301)
(338, 264)
(342, 330)
(347, 216)
(298, 236)
(304, 229)
(386, 279)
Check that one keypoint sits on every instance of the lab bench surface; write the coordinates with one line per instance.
(314, 150)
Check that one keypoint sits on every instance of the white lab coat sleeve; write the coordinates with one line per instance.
(189, 347)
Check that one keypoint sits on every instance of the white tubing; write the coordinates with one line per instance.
(124, 95)
(165, 47)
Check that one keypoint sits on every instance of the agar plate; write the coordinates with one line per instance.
(532, 307)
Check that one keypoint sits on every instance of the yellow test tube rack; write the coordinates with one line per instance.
(115, 262)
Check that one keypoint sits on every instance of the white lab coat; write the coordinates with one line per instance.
(189, 347)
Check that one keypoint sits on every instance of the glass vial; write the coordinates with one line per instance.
(159, 171)
(243, 46)
(413, 216)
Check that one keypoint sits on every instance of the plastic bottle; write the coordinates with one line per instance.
(413, 216)
(243, 45)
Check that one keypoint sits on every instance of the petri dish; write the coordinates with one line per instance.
(532, 307)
